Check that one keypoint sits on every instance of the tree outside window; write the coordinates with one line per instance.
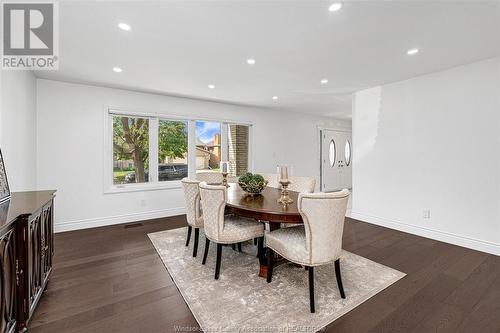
(130, 149)
(172, 150)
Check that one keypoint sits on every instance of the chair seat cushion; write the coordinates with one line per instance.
(290, 243)
(239, 229)
(289, 225)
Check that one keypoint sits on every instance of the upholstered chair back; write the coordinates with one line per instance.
(272, 179)
(213, 201)
(323, 215)
(192, 197)
(209, 177)
(302, 184)
(297, 184)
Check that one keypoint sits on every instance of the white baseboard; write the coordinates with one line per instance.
(468, 242)
(118, 219)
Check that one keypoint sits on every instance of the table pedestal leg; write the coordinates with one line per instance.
(263, 258)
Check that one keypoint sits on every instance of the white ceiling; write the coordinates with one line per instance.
(180, 47)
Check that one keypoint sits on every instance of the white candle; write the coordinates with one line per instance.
(224, 167)
(283, 173)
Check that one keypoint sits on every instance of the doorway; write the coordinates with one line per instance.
(336, 160)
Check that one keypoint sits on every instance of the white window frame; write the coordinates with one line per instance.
(154, 118)
(153, 183)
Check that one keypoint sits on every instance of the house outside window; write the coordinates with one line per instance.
(208, 146)
(238, 149)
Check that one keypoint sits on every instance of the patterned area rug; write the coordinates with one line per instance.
(241, 301)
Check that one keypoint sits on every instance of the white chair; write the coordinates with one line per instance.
(318, 241)
(302, 184)
(210, 177)
(222, 229)
(193, 216)
(297, 184)
(272, 179)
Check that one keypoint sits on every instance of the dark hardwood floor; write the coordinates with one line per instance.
(110, 279)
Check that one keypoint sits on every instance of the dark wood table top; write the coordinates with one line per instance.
(264, 207)
(23, 204)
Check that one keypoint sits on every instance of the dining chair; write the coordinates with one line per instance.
(210, 177)
(228, 229)
(193, 214)
(272, 179)
(318, 241)
(302, 184)
(297, 184)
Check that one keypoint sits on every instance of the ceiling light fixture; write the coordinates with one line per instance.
(124, 26)
(324, 81)
(275, 98)
(117, 70)
(335, 7)
(251, 61)
(211, 86)
(412, 51)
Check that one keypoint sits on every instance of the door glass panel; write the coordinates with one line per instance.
(347, 152)
(331, 152)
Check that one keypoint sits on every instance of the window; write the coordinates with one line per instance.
(237, 149)
(347, 152)
(172, 150)
(130, 149)
(148, 149)
(208, 146)
(152, 151)
(331, 153)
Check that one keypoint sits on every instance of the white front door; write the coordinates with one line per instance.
(336, 160)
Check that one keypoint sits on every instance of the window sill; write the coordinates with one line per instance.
(174, 184)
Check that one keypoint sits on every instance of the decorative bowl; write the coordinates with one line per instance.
(253, 184)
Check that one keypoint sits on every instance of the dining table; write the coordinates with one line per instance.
(263, 207)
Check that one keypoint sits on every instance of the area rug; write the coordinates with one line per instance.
(241, 301)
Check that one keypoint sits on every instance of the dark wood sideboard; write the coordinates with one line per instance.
(26, 251)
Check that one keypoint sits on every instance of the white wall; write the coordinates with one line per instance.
(17, 128)
(70, 132)
(432, 142)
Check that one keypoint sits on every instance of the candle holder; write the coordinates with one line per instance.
(225, 170)
(284, 198)
(224, 179)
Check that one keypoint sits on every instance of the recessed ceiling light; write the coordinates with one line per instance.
(211, 86)
(275, 98)
(117, 70)
(335, 6)
(251, 61)
(324, 81)
(124, 26)
(412, 51)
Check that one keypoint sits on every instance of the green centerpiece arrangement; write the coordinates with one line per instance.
(251, 183)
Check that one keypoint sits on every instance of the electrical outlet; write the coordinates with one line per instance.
(143, 202)
(426, 214)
